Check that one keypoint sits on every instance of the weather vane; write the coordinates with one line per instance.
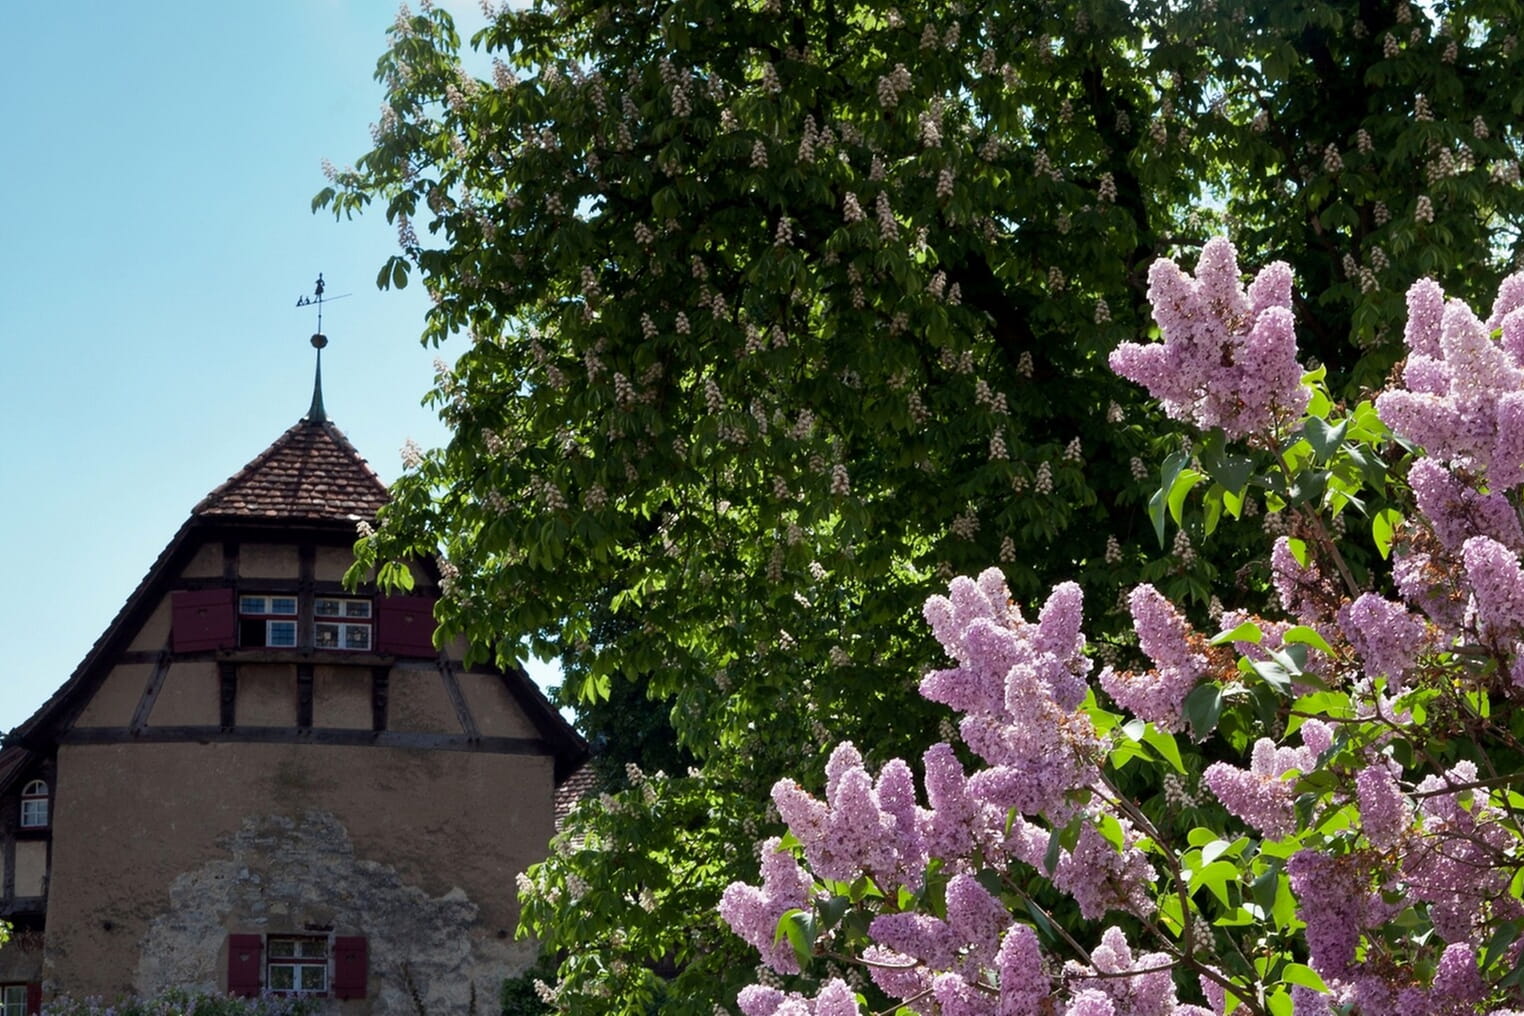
(317, 299)
(317, 413)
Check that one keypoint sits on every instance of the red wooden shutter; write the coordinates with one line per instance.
(405, 625)
(349, 966)
(203, 619)
(244, 966)
(34, 998)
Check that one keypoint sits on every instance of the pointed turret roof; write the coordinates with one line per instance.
(311, 472)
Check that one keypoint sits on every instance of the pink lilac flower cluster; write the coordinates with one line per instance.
(1166, 637)
(1387, 636)
(1385, 814)
(1019, 686)
(1497, 587)
(1302, 588)
(1338, 903)
(1228, 358)
(1264, 794)
(1464, 395)
(753, 913)
(1462, 883)
(1456, 511)
(1150, 991)
(835, 999)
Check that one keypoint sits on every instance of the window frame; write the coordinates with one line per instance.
(299, 964)
(30, 1000)
(268, 610)
(29, 796)
(344, 624)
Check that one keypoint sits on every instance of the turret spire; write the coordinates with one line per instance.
(316, 413)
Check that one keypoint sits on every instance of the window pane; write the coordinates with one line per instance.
(314, 977)
(282, 977)
(357, 608)
(283, 605)
(326, 636)
(312, 948)
(251, 604)
(357, 636)
(328, 608)
(282, 633)
(34, 814)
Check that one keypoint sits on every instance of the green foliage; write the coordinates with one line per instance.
(521, 996)
(781, 313)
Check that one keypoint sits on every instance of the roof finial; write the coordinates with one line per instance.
(316, 413)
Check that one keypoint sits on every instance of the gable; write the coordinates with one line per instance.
(184, 659)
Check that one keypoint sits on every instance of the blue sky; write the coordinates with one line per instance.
(160, 161)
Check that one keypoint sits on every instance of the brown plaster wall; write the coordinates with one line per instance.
(266, 695)
(268, 561)
(21, 958)
(133, 818)
(493, 709)
(190, 696)
(206, 563)
(113, 704)
(419, 701)
(331, 563)
(31, 867)
(341, 697)
(154, 635)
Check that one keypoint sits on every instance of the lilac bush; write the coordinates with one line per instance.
(1355, 844)
(176, 1002)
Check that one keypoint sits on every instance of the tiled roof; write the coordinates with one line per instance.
(572, 790)
(310, 472)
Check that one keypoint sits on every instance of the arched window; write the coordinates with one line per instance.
(34, 805)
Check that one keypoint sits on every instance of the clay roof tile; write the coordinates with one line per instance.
(311, 472)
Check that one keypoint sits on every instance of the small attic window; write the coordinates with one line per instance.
(267, 621)
(342, 624)
(34, 805)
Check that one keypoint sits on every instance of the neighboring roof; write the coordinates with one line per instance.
(571, 792)
(311, 472)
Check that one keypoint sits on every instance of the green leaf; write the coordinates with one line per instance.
(832, 910)
(1185, 481)
(798, 926)
(1164, 744)
(1298, 550)
(1246, 632)
(1299, 973)
(1156, 514)
(1232, 471)
(1167, 476)
(1215, 877)
(1308, 636)
(1202, 708)
(1383, 530)
(1054, 852)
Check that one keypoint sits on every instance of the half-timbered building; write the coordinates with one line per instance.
(262, 780)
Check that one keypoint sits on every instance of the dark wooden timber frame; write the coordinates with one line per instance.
(345, 736)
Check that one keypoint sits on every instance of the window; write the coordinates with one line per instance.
(34, 815)
(20, 999)
(267, 621)
(297, 965)
(341, 624)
